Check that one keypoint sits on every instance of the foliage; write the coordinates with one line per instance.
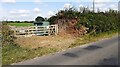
(52, 19)
(88, 38)
(7, 34)
(39, 19)
(95, 22)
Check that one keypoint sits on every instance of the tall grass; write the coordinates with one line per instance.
(13, 53)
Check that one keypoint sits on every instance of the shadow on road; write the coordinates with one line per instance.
(93, 47)
(70, 55)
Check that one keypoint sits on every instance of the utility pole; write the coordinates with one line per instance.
(93, 6)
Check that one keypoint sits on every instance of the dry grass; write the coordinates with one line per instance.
(59, 42)
(37, 46)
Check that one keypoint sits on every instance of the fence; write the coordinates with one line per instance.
(36, 30)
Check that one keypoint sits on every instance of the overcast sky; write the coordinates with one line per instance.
(28, 10)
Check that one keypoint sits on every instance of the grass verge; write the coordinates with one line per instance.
(14, 53)
(90, 38)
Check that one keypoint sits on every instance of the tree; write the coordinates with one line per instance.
(52, 19)
(39, 19)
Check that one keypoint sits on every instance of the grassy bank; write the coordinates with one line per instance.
(20, 24)
(14, 53)
(90, 38)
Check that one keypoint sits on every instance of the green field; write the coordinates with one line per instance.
(20, 24)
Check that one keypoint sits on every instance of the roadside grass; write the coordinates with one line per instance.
(14, 53)
(20, 24)
(0, 55)
(92, 38)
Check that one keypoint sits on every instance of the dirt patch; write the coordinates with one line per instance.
(60, 42)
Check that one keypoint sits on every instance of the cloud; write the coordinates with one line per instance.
(81, 5)
(36, 10)
(67, 6)
(78, 1)
(50, 13)
(1, 10)
(98, 1)
(8, 1)
(100, 5)
(38, 1)
(103, 9)
(13, 12)
(39, 14)
(21, 11)
(113, 6)
(20, 18)
(24, 15)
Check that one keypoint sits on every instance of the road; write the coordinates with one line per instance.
(104, 52)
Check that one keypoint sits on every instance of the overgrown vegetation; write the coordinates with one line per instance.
(95, 22)
(7, 35)
(88, 38)
(100, 25)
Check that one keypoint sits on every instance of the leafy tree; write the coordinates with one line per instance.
(39, 19)
(52, 19)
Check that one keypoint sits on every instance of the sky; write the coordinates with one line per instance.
(28, 10)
